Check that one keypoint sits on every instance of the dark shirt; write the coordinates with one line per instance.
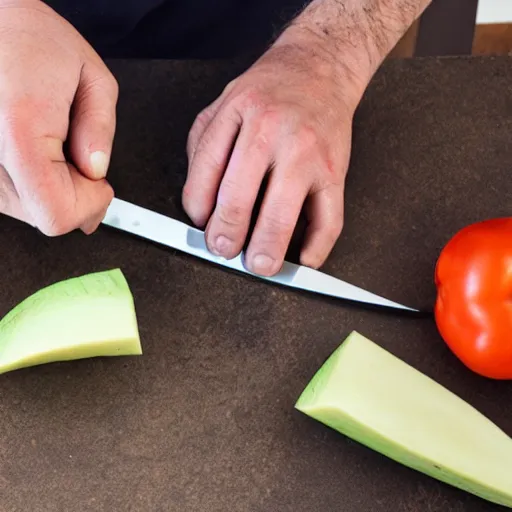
(178, 28)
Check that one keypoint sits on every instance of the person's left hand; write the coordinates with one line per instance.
(289, 115)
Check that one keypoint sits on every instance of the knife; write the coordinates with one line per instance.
(173, 233)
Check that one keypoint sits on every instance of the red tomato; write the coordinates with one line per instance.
(473, 309)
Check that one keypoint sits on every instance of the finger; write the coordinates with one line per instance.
(230, 221)
(208, 165)
(324, 210)
(203, 119)
(93, 121)
(276, 222)
(55, 196)
(201, 122)
(92, 200)
(9, 200)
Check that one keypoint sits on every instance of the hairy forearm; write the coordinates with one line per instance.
(358, 33)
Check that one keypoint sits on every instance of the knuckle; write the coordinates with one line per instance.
(55, 219)
(262, 142)
(53, 226)
(229, 86)
(99, 116)
(202, 119)
(233, 213)
(252, 98)
(210, 159)
(208, 156)
(278, 223)
(269, 122)
(192, 142)
(106, 81)
(307, 138)
(198, 127)
(109, 195)
(271, 118)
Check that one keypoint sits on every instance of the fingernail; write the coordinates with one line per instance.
(223, 245)
(99, 164)
(262, 264)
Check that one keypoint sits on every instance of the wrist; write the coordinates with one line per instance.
(343, 64)
(357, 34)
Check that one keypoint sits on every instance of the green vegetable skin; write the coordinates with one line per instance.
(87, 316)
(371, 396)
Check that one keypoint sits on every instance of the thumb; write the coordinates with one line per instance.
(93, 121)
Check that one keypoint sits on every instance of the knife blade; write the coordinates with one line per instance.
(142, 222)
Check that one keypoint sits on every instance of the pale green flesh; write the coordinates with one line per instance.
(371, 396)
(82, 317)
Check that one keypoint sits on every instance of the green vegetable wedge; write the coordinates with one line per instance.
(88, 316)
(371, 396)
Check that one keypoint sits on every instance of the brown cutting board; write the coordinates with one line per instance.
(204, 420)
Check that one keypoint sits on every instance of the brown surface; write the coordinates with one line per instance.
(204, 421)
(493, 39)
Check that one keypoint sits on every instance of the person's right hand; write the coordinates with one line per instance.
(53, 89)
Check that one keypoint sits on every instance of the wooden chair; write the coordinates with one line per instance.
(447, 27)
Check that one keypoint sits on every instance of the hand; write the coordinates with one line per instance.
(53, 88)
(290, 116)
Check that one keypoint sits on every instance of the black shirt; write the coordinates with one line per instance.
(178, 28)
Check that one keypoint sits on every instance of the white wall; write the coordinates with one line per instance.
(494, 11)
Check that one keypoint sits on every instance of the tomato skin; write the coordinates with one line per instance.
(473, 309)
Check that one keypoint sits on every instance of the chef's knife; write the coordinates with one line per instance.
(164, 230)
